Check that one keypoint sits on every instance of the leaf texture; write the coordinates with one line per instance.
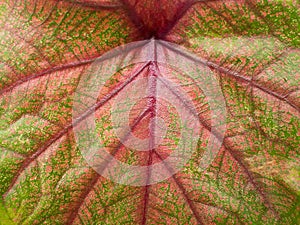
(249, 48)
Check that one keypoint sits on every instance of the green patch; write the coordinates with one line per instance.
(4, 217)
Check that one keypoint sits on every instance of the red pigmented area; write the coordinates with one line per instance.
(47, 180)
(157, 18)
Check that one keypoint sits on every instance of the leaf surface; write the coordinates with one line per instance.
(249, 48)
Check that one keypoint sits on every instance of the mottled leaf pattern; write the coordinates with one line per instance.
(250, 47)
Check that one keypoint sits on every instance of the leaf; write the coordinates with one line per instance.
(149, 112)
(4, 217)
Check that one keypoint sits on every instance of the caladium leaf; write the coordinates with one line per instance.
(237, 59)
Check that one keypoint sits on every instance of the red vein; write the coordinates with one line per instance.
(136, 20)
(251, 178)
(183, 191)
(95, 5)
(46, 72)
(231, 152)
(180, 12)
(65, 67)
(93, 182)
(76, 121)
(152, 107)
(237, 76)
(247, 80)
